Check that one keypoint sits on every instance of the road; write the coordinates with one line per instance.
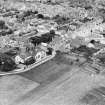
(55, 82)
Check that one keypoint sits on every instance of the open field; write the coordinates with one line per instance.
(56, 83)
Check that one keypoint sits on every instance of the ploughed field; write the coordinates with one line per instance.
(54, 82)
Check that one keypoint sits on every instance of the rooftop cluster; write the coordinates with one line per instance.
(67, 25)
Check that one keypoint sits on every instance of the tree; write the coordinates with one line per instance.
(40, 16)
(85, 51)
(6, 63)
(2, 24)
